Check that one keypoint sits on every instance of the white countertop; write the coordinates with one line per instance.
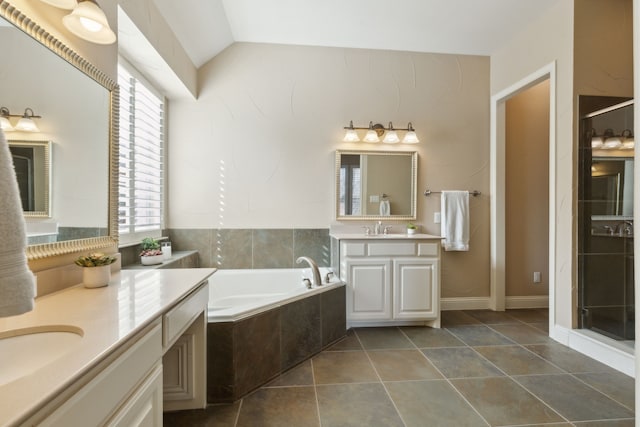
(108, 316)
(391, 236)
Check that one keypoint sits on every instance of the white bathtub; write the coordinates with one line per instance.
(237, 294)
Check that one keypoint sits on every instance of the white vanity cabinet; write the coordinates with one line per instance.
(391, 281)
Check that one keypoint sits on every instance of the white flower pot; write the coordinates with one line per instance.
(96, 277)
(152, 260)
(411, 231)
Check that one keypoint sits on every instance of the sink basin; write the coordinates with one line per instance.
(23, 351)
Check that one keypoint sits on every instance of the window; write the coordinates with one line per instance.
(141, 159)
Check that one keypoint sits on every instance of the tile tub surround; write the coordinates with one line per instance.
(254, 248)
(245, 354)
(412, 376)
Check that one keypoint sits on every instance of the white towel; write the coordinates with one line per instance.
(385, 208)
(454, 220)
(17, 283)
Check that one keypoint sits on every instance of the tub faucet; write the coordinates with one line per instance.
(314, 269)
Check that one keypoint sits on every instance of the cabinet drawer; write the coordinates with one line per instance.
(392, 248)
(428, 249)
(178, 319)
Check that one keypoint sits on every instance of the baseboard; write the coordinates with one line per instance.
(468, 303)
(535, 301)
(604, 350)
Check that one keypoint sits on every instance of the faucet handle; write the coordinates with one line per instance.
(367, 230)
(386, 229)
(327, 278)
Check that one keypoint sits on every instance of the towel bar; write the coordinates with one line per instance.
(474, 193)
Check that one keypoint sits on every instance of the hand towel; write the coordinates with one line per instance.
(385, 208)
(454, 220)
(17, 283)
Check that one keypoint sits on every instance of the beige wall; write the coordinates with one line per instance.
(262, 135)
(547, 40)
(527, 191)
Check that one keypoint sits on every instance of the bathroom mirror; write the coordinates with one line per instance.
(376, 185)
(612, 186)
(78, 105)
(31, 161)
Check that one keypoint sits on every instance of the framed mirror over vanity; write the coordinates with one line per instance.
(376, 185)
(78, 108)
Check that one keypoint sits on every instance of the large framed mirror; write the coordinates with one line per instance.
(376, 185)
(78, 105)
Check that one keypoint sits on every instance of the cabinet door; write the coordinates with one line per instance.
(368, 289)
(415, 289)
(144, 408)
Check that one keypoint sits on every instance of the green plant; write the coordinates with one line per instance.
(411, 226)
(95, 259)
(150, 247)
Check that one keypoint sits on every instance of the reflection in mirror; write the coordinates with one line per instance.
(612, 186)
(31, 162)
(376, 185)
(76, 102)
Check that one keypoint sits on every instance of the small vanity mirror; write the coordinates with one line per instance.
(376, 185)
(612, 186)
(32, 163)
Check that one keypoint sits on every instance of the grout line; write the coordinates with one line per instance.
(235, 424)
(315, 392)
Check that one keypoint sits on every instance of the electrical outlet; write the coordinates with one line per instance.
(374, 199)
(536, 277)
(436, 217)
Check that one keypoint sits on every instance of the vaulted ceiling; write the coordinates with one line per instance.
(476, 27)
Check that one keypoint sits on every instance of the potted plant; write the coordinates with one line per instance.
(151, 253)
(96, 270)
(411, 228)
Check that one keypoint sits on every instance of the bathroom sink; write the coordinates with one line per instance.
(23, 351)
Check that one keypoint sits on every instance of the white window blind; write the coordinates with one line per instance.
(141, 160)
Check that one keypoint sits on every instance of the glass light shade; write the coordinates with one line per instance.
(5, 124)
(410, 138)
(371, 136)
(351, 136)
(597, 142)
(89, 22)
(25, 124)
(391, 137)
(628, 144)
(613, 142)
(61, 4)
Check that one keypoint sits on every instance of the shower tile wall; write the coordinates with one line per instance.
(254, 248)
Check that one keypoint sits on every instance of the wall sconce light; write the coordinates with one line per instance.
(375, 131)
(89, 22)
(25, 124)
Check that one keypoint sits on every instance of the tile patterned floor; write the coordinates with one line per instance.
(482, 368)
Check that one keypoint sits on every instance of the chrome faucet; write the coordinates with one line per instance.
(314, 269)
(625, 228)
(377, 229)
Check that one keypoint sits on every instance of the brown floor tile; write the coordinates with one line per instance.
(298, 375)
(456, 318)
(516, 360)
(544, 326)
(490, 317)
(213, 415)
(479, 335)
(568, 359)
(424, 337)
(444, 407)
(503, 402)
(286, 406)
(343, 367)
(461, 362)
(608, 423)
(522, 334)
(383, 338)
(356, 405)
(350, 342)
(402, 365)
(616, 385)
(530, 315)
(573, 399)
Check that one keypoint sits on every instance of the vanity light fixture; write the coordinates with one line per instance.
(61, 4)
(391, 137)
(5, 124)
(375, 131)
(89, 22)
(25, 124)
(628, 142)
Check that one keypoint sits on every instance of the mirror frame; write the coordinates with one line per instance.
(42, 36)
(47, 174)
(414, 183)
